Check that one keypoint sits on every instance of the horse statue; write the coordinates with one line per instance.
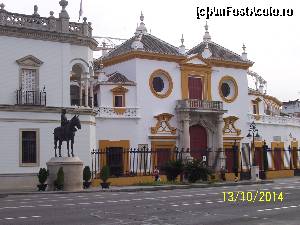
(66, 133)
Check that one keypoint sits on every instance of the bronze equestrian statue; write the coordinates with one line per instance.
(66, 132)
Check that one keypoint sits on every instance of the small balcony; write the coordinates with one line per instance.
(119, 112)
(36, 98)
(199, 105)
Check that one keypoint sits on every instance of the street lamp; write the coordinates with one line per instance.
(253, 132)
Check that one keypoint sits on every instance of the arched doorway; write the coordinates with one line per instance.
(198, 141)
(75, 82)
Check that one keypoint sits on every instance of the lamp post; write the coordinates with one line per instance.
(253, 132)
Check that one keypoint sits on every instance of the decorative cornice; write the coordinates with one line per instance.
(47, 109)
(74, 39)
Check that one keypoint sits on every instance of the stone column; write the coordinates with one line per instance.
(186, 135)
(86, 78)
(80, 94)
(92, 93)
(219, 146)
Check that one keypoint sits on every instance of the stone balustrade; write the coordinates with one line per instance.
(276, 120)
(121, 112)
(52, 24)
(199, 104)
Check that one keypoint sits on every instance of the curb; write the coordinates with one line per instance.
(145, 188)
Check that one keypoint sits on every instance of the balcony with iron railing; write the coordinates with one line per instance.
(36, 98)
(199, 105)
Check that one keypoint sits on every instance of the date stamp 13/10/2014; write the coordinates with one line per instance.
(251, 197)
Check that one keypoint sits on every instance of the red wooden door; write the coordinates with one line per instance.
(195, 88)
(198, 141)
(229, 160)
(163, 156)
(258, 158)
(277, 158)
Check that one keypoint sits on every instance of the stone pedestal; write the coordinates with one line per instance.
(255, 173)
(73, 170)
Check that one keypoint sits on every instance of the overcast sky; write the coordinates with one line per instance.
(273, 43)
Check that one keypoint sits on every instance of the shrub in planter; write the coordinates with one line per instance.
(42, 176)
(172, 169)
(196, 170)
(104, 175)
(87, 177)
(59, 182)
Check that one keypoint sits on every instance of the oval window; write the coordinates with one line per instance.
(228, 89)
(160, 83)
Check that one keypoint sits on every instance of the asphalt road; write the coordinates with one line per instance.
(199, 206)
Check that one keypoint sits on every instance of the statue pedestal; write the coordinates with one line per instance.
(73, 170)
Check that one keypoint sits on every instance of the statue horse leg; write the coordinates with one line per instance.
(68, 148)
(55, 146)
(72, 143)
(59, 147)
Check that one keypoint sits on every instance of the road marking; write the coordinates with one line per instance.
(149, 198)
(36, 216)
(26, 206)
(44, 198)
(293, 206)
(124, 200)
(115, 194)
(137, 199)
(9, 218)
(84, 203)
(284, 207)
(98, 202)
(9, 200)
(268, 209)
(197, 203)
(187, 195)
(209, 202)
(22, 217)
(220, 201)
(46, 205)
(276, 208)
(260, 210)
(201, 194)
(175, 205)
(111, 201)
(185, 204)
(10, 207)
(69, 204)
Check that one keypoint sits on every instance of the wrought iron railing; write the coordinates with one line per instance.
(199, 104)
(31, 97)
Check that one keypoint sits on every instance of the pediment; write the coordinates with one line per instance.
(195, 60)
(29, 60)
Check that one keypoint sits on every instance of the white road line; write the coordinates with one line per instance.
(111, 201)
(209, 202)
(220, 201)
(44, 198)
(284, 207)
(10, 207)
(276, 208)
(175, 205)
(36, 216)
(69, 204)
(9, 218)
(22, 217)
(26, 206)
(98, 202)
(149, 198)
(197, 203)
(84, 203)
(46, 205)
(260, 210)
(137, 199)
(268, 209)
(293, 206)
(185, 204)
(201, 194)
(124, 200)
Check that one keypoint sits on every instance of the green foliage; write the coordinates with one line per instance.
(104, 173)
(173, 168)
(43, 175)
(87, 174)
(196, 170)
(59, 182)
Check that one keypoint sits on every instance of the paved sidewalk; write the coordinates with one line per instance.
(137, 188)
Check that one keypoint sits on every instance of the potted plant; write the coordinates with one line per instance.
(172, 169)
(87, 177)
(42, 176)
(59, 182)
(104, 175)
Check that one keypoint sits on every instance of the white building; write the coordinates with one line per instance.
(144, 93)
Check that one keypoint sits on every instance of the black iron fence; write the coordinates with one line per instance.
(31, 97)
(139, 161)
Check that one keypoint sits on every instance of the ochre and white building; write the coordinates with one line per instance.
(144, 93)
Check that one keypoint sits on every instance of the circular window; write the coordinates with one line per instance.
(228, 89)
(160, 83)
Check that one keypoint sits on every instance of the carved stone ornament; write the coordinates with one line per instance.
(163, 126)
(229, 127)
(29, 60)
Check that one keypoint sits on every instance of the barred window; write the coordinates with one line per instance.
(29, 147)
